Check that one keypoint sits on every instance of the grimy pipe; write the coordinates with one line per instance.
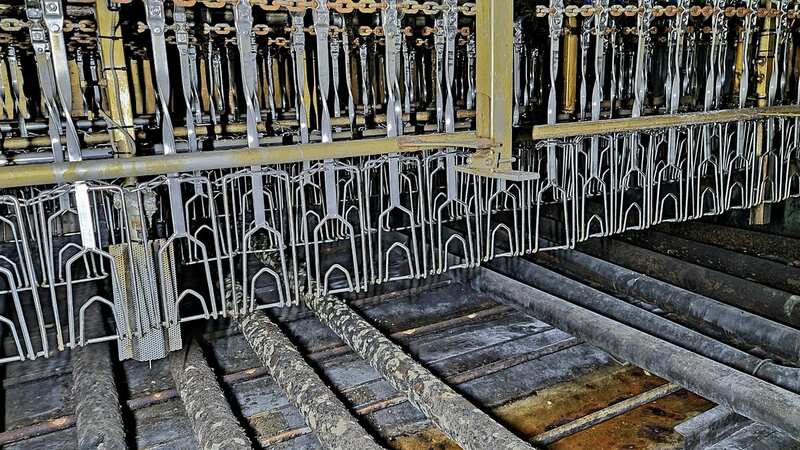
(716, 318)
(98, 419)
(728, 320)
(470, 427)
(743, 393)
(763, 300)
(724, 319)
(763, 271)
(737, 239)
(212, 420)
(324, 413)
(600, 302)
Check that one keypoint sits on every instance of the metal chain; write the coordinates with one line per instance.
(429, 8)
(658, 11)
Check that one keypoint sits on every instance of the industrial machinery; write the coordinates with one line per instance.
(166, 162)
(195, 136)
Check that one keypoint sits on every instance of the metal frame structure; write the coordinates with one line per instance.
(339, 209)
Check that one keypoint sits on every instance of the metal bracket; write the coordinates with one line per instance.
(489, 162)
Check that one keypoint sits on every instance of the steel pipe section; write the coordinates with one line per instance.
(729, 320)
(763, 300)
(98, 417)
(602, 303)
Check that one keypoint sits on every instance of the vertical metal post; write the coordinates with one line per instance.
(243, 16)
(570, 66)
(115, 73)
(495, 37)
(759, 214)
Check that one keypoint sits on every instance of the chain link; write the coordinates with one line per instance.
(659, 11)
(429, 8)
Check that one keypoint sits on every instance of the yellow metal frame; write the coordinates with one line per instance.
(493, 80)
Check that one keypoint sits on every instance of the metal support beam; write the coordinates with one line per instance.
(493, 79)
(261, 156)
(494, 94)
(630, 124)
(324, 413)
(759, 214)
(470, 427)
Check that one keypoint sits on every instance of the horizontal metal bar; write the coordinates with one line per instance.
(22, 159)
(105, 169)
(630, 124)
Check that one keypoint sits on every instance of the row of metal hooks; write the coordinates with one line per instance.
(165, 251)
